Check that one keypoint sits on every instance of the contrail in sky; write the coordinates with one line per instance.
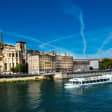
(82, 33)
(59, 39)
(106, 41)
(76, 12)
(36, 41)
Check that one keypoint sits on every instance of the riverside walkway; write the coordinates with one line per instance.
(60, 75)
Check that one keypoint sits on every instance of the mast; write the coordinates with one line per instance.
(1, 37)
(1, 40)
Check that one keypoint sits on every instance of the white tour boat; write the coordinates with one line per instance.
(88, 81)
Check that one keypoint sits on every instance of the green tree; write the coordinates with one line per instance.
(22, 68)
(106, 64)
(13, 69)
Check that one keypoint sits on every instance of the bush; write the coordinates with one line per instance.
(106, 64)
(22, 68)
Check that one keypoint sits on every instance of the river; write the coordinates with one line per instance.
(50, 96)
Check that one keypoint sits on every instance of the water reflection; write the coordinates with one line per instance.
(86, 90)
(13, 94)
(51, 96)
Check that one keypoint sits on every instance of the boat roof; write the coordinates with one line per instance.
(91, 78)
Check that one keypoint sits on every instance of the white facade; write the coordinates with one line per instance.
(94, 64)
(33, 64)
(81, 65)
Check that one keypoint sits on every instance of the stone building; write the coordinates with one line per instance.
(47, 63)
(11, 55)
(1, 63)
(21, 51)
(50, 62)
(64, 63)
(33, 64)
(94, 64)
(41, 62)
(81, 65)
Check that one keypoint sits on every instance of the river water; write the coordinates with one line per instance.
(50, 96)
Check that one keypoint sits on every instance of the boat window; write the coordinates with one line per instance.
(76, 82)
(84, 82)
(87, 81)
(91, 81)
(95, 81)
(106, 79)
(101, 80)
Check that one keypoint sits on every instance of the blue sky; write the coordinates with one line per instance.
(82, 28)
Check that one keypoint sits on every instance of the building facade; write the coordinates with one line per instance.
(1, 63)
(64, 63)
(21, 51)
(33, 64)
(94, 64)
(81, 65)
(43, 62)
(47, 63)
(11, 55)
(50, 62)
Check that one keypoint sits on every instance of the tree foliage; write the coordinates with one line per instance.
(106, 64)
(22, 68)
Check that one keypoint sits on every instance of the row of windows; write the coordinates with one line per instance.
(94, 81)
(12, 54)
